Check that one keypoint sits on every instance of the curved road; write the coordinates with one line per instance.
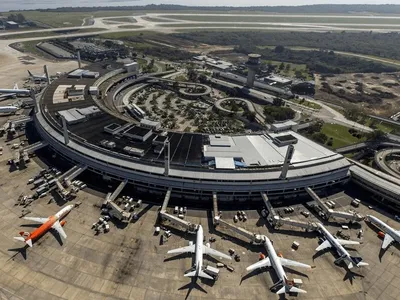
(380, 160)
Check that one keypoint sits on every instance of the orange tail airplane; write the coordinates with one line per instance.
(52, 222)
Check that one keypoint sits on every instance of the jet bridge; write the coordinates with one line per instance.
(277, 221)
(254, 238)
(36, 146)
(308, 226)
(118, 190)
(75, 173)
(189, 227)
(352, 217)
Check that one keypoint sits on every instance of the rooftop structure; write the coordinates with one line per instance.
(277, 80)
(282, 126)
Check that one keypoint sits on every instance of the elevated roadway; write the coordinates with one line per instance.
(382, 161)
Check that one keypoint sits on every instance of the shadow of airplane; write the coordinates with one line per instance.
(193, 284)
(20, 250)
(350, 275)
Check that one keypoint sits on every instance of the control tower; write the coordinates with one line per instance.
(253, 64)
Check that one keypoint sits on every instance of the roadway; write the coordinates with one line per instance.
(382, 163)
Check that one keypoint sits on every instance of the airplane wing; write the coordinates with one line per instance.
(186, 249)
(387, 241)
(324, 245)
(292, 263)
(345, 242)
(57, 226)
(39, 220)
(210, 251)
(260, 264)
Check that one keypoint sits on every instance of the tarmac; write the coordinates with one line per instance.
(130, 263)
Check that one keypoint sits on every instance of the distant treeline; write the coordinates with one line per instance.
(319, 61)
(377, 44)
(304, 9)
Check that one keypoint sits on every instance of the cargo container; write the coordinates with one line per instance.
(214, 272)
(381, 234)
(38, 182)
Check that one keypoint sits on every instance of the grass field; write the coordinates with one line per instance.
(123, 19)
(340, 134)
(231, 25)
(288, 19)
(68, 19)
(48, 33)
(307, 103)
(383, 126)
(155, 19)
(130, 26)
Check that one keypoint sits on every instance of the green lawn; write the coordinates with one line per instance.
(286, 19)
(383, 126)
(129, 26)
(306, 103)
(48, 33)
(340, 134)
(68, 19)
(124, 20)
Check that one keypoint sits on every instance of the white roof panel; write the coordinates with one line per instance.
(224, 163)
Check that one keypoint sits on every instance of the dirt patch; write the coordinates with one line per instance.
(377, 94)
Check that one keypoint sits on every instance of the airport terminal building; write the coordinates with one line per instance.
(193, 165)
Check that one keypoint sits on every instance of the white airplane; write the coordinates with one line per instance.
(7, 110)
(199, 249)
(331, 241)
(37, 77)
(277, 262)
(391, 235)
(15, 91)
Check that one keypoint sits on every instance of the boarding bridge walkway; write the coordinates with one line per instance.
(268, 205)
(215, 208)
(254, 238)
(75, 174)
(166, 200)
(189, 227)
(308, 226)
(118, 190)
(21, 121)
(36, 146)
(352, 217)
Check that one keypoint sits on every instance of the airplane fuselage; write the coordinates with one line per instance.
(339, 248)
(199, 250)
(274, 259)
(385, 227)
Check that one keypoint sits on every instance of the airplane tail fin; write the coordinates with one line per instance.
(20, 238)
(362, 264)
(357, 261)
(201, 274)
(294, 289)
(282, 290)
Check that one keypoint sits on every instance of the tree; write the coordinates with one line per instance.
(281, 66)
(175, 85)
(278, 102)
(376, 135)
(287, 69)
(319, 137)
(192, 75)
(279, 49)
